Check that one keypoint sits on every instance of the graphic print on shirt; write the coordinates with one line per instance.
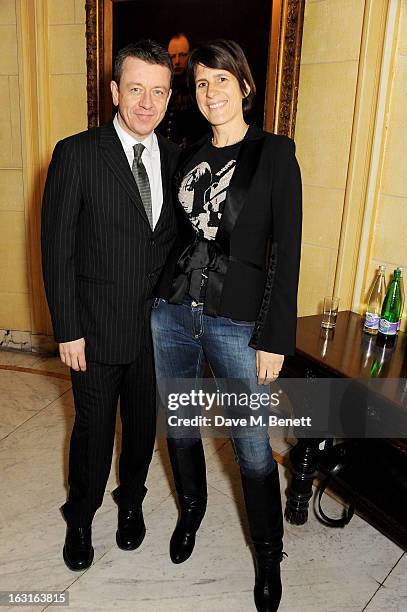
(203, 196)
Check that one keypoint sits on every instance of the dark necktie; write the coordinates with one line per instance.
(143, 184)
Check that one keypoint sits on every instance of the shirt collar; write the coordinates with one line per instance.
(128, 141)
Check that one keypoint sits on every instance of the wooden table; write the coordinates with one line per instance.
(376, 480)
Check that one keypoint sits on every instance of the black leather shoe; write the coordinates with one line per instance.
(130, 529)
(78, 550)
(183, 539)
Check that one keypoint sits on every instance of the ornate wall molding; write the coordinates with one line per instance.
(94, 9)
(289, 68)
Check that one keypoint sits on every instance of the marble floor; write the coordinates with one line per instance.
(327, 570)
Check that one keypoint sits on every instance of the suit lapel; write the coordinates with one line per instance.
(115, 158)
(166, 181)
(246, 166)
(164, 161)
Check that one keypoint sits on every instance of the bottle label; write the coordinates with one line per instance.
(387, 328)
(372, 320)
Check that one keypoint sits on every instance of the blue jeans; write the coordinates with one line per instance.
(184, 339)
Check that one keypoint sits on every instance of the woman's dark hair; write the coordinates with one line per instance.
(147, 50)
(226, 55)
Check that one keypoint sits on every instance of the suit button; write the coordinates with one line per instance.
(152, 242)
(150, 275)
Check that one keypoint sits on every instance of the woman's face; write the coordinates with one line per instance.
(218, 95)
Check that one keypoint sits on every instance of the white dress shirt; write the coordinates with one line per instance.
(152, 163)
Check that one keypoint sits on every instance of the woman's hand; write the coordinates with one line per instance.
(268, 366)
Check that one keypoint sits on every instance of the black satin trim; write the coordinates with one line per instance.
(265, 306)
(203, 254)
(246, 166)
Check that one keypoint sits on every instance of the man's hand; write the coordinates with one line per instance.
(268, 366)
(73, 354)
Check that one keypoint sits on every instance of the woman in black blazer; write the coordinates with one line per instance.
(228, 293)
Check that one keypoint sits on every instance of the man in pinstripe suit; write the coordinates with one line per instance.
(107, 227)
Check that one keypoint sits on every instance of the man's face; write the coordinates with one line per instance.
(178, 48)
(142, 96)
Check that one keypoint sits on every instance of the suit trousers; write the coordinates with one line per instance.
(96, 393)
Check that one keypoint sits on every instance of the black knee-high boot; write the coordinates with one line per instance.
(189, 469)
(263, 505)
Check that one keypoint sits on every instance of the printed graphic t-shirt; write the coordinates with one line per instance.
(204, 187)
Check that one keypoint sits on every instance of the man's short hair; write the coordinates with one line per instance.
(225, 55)
(147, 50)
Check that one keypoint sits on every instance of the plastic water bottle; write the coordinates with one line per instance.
(402, 296)
(375, 302)
(390, 316)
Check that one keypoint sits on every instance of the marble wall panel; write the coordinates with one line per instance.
(7, 12)
(8, 46)
(67, 54)
(68, 95)
(324, 122)
(13, 260)
(321, 40)
(61, 11)
(325, 205)
(316, 278)
(11, 190)
(391, 230)
(15, 311)
(80, 14)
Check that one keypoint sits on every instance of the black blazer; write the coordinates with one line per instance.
(101, 259)
(260, 234)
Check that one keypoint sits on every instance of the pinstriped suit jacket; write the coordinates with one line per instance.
(101, 260)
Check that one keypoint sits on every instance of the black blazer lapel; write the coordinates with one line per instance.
(116, 159)
(246, 165)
